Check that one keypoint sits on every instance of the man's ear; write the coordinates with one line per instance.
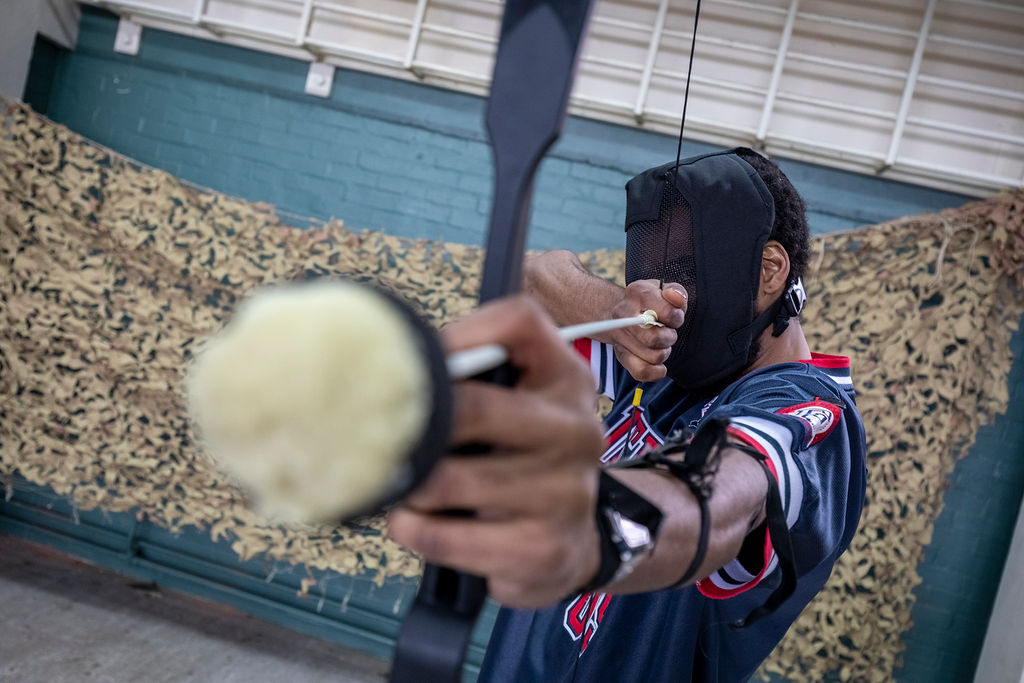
(774, 274)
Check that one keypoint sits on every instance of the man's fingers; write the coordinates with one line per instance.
(668, 301)
(520, 554)
(512, 322)
(495, 413)
(502, 484)
(516, 420)
(639, 369)
(644, 353)
(521, 326)
(651, 338)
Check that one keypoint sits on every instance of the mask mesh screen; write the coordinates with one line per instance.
(648, 259)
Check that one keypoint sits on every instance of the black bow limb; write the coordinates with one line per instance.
(533, 74)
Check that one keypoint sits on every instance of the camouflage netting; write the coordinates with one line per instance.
(113, 273)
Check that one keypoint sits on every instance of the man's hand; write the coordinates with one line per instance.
(533, 536)
(643, 352)
(571, 294)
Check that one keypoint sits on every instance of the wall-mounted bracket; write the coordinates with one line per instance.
(320, 79)
(129, 37)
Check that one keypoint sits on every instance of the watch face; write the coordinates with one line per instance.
(636, 536)
(632, 540)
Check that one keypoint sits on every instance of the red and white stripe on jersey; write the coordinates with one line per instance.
(775, 442)
(602, 364)
(836, 367)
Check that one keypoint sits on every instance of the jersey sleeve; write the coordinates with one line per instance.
(811, 441)
(602, 364)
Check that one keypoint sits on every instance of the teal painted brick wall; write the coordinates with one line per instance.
(413, 161)
(962, 567)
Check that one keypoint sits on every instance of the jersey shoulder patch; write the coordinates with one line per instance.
(818, 417)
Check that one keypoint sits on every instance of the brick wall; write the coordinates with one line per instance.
(413, 161)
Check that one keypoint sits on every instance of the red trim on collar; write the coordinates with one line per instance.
(828, 361)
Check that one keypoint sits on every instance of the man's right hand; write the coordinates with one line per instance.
(643, 352)
(571, 294)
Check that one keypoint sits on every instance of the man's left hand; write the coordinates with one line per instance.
(533, 534)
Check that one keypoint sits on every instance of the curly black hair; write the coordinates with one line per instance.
(790, 227)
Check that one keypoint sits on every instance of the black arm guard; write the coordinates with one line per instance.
(697, 468)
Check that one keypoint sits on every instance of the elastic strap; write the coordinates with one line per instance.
(775, 316)
(782, 542)
(697, 470)
(702, 544)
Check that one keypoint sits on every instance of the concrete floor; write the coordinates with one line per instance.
(64, 621)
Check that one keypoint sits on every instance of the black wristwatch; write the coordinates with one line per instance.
(627, 524)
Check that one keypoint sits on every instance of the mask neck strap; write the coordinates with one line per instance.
(777, 315)
(741, 339)
(782, 316)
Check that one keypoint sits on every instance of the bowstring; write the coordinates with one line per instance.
(682, 127)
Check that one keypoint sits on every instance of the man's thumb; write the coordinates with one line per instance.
(675, 294)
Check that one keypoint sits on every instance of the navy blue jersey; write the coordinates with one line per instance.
(802, 417)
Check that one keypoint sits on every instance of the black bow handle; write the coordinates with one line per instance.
(533, 74)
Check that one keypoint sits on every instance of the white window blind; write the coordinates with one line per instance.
(927, 91)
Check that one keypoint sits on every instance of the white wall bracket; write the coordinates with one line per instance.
(129, 37)
(320, 79)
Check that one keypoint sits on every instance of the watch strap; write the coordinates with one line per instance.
(627, 526)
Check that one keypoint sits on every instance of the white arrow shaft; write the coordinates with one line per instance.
(470, 362)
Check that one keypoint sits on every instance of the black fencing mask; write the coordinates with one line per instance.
(704, 225)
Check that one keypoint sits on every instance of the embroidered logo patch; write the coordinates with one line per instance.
(819, 418)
